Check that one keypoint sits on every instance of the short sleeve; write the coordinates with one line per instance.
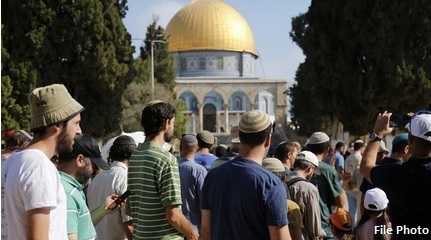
(276, 207)
(39, 186)
(72, 215)
(169, 183)
(120, 184)
(334, 182)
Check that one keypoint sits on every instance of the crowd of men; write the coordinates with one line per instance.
(56, 185)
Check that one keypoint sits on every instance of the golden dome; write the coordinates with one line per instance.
(209, 25)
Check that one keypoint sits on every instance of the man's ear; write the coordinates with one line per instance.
(406, 149)
(80, 160)
(268, 141)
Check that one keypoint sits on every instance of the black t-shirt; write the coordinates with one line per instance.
(244, 199)
(408, 189)
(366, 185)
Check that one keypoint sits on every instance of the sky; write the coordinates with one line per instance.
(270, 22)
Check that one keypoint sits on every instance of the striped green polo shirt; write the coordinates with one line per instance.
(78, 216)
(154, 180)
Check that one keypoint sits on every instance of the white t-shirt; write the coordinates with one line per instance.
(351, 166)
(32, 181)
(104, 184)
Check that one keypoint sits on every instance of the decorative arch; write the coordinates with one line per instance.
(239, 101)
(191, 101)
(214, 98)
(265, 102)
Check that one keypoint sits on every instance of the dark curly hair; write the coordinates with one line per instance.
(154, 117)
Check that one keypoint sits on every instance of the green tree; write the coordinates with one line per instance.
(164, 68)
(138, 95)
(82, 44)
(362, 57)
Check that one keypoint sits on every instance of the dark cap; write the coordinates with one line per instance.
(122, 148)
(189, 140)
(88, 147)
(124, 140)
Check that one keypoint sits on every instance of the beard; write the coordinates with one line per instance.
(84, 176)
(64, 142)
(168, 136)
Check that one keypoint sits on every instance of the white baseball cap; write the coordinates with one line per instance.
(420, 126)
(317, 138)
(375, 200)
(309, 157)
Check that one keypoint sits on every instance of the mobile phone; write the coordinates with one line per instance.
(123, 197)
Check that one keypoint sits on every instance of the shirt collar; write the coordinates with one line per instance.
(71, 180)
(118, 164)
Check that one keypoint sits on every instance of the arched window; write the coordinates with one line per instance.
(265, 102)
(238, 102)
(191, 101)
(216, 99)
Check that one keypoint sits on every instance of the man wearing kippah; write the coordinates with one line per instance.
(327, 181)
(241, 199)
(36, 201)
(205, 141)
(192, 177)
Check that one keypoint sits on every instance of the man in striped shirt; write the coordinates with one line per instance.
(153, 178)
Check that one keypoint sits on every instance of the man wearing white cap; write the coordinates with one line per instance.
(326, 180)
(406, 185)
(241, 199)
(306, 194)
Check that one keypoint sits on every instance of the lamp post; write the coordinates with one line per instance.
(152, 65)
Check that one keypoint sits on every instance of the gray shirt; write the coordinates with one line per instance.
(306, 195)
(192, 177)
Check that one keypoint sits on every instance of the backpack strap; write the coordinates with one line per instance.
(295, 180)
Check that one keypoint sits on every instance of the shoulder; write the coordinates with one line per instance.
(306, 187)
(381, 172)
(326, 168)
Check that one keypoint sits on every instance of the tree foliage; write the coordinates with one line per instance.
(362, 57)
(82, 44)
(164, 68)
(138, 92)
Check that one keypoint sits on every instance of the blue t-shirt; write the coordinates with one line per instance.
(192, 177)
(244, 199)
(205, 160)
(339, 161)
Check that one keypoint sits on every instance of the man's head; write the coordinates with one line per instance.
(55, 114)
(400, 146)
(122, 149)
(420, 135)
(255, 129)
(359, 146)
(318, 143)
(188, 145)
(205, 139)
(340, 147)
(83, 160)
(307, 162)
(286, 152)
(275, 166)
(220, 150)
(158, 117)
